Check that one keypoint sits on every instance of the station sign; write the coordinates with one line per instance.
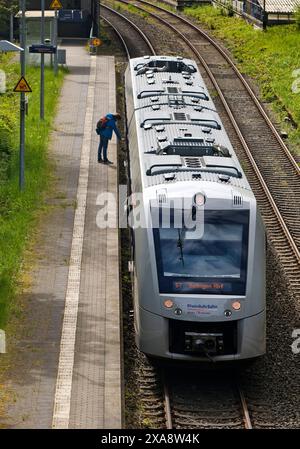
(56, 4)
(22, 86)
(42, 48)
(96, 42)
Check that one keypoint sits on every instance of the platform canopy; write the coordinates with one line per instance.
(9, 46)
(280, 6)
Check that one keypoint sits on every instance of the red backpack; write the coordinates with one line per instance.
(101, 124)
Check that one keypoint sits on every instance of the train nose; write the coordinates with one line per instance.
(202, 342)
(206, 345)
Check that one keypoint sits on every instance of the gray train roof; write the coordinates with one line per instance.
(180, 134)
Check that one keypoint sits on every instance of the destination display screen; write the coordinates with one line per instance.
(191, 287)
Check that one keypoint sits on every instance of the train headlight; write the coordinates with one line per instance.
(168, 303)
(236, 305)
(199, 199)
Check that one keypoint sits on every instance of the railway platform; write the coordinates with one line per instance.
(67, 371)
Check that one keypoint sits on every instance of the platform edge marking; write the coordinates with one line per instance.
(62, 399)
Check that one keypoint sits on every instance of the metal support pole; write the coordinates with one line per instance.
(42, 92)
(55, 44)
(265, 17)
(11, 28)
(52, 41)
(22, 96)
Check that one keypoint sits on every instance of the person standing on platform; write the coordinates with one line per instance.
(105, 128)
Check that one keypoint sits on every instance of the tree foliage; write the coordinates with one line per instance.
(6, 7)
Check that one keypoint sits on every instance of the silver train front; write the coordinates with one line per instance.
(229, 334)
(196, 297)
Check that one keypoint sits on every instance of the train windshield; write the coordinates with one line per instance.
(212, 261)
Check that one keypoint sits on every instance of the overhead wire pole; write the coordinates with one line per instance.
(55, 43)
(42, 92)
(22, 96)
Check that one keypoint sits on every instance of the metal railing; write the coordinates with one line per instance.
(254, 12)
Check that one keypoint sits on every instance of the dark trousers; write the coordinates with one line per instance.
(103, 144)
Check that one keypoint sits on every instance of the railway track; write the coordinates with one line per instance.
(221, 404)
(271, 170)
(274, 177)
(192, 399)
(133, 39)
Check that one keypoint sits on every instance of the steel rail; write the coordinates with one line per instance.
(166, 393)
(140, 32)
(167, 404)
(236, 388)
(238, 73)
(118, 34)
(246, 415)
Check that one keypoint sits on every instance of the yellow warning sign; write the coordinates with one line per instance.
(96, 42)
(22, 86)
(56, 4)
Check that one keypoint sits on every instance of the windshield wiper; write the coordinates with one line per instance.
(180, 246)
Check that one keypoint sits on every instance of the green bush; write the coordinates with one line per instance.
(6, 7)
(18, 210)
(8, 125)
(230, 10)
(297, 17)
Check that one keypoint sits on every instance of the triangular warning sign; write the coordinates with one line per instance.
(22, 86)
(56, 4)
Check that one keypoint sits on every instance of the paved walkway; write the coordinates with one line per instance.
(68, 371)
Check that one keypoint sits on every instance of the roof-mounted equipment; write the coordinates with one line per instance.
(165, 118)
(191, 146)
(207, 164)
(164, 65)
(150, 93)
(166, 163)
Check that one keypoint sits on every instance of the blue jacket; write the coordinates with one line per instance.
(109, 128)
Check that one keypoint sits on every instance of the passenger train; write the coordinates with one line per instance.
(197, 234)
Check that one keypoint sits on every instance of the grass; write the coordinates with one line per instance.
(19, 211)
(272, 58)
